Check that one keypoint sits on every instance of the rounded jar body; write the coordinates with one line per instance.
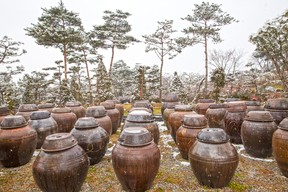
(65, 119)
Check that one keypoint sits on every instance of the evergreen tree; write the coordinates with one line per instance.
(218, 80)
(153, 82)
(178, 88)
(75, 83)
(65, 94)
(9, 50)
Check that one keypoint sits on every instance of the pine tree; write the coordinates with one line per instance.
(178, 88)
(9, 50)
(218, 80)
(153, 82)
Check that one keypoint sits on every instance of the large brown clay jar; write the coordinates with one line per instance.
(280, 146)
(25, 110)
(143, 119)
(253, 106)
(91, 137)
(256, 132)
(99, 113)
(120, 108)
(215, 115)
(213, 158)
(278, 108)
(234, 117)
(46, 107)
(77, 108)
(65, 119)
(136, 159)
(170, 108)
(169, 98)
(113, 113)
(61, 165)
(187, 132)
(17, 141)
(143, 103)
(175, 119)
(3, 112)
(202, 105)
(44, 125)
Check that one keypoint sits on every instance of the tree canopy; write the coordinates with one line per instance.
(10, 50)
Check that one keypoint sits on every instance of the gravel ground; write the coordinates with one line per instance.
(174, 174)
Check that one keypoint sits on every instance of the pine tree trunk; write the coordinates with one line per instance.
(111, 62)
(161, 68)
(65, 61)
(206, 66)
(89, 80)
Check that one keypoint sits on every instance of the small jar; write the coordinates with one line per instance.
(65, 119)
(202, 105)
(46, 107)
(278, 108)
(113, 113)
(77, 108)
(25, 110)
(215, 115)
(100, 114)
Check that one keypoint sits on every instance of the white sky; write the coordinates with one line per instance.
(15, 15)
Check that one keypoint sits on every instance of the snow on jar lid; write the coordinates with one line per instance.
(212, 135)
(140, 116)
(183, 108)
(135, 136)
(195, 121)
(86, 123)
(39, 115)
(96, 111)
(11, 122)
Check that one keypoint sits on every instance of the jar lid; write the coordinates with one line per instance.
(284, 124)
(73, 104)
(61, 110)
(195, 121)
(140, 109)
(171, 105)
(11, 122)
(212, 135)
(86, 123)
(135, 136)
(4, 110)
(205, 101)
(108, 105)
(140, 116)
(171, 97)
(217, 106)
(262, 116)
(115, 101)
(252, 103)
(58, 142)
(96, 111)
(46, 105)
(183, 108)
(278, 103)
(39, 115)
(27, 107)
(231, 99)
(236, 106)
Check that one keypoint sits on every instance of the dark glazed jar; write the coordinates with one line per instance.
(77, 108)
(280, 146)
(170, 108)
(213, 158)
(61, 165)
(234, 117)
(187, 132)
(17, 141)
(143, 119)
(202, 105)
(46, 107)
(169, 98)
(25, 110)
(99, 113)
(91, 137)
(256, 131)
(253, 106)
(136, 159)
(113, 113)
(215, 115)
(120, 108)
(3, 112)
(44, 125)
(278, 108)
(65, 119)
(175, 119)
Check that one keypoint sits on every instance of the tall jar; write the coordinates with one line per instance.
(169, 109)
(65, 119)
(175, 119)
(3, 112)
(234, 117)
(213, 158)
(187, 132)
(202, 105)
(256, 131)
(170, 98)
(278, 108)
(120, 108)
(17, 141)
(143, 119)
(113, 113)
(77, 108)
(46, 107)
(136, 159)
(25, 110)
(99, 113)
(44, 125)
(215, 115)
(61, 165)
(91, 137)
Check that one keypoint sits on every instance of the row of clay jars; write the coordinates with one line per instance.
(100, 114)
(170, 99)
(113, 113)
(136, 159)
(144, 119)
(278, 108)
(17, 141)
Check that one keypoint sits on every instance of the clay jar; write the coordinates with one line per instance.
(169, 98)
(113, 113)
(140, 109)
(280, 146)
(136, 159)
(187, 132)
(65, 119)
(44, 125)
(99, 113)
(234, 117)
(25, 110)
(215, 115)
(91, 137)
(202, 105)
(143, 119)
(77, 108)
(170, 108)
(46, 107)
(143, 103)
(120, 108)
(61, 165)
(175, 119)
(213, 158)
(253, 106)
(256, 132)
(3, 112)
(17, 141)
(278, 108)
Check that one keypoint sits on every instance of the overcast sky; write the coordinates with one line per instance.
(16, 15)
